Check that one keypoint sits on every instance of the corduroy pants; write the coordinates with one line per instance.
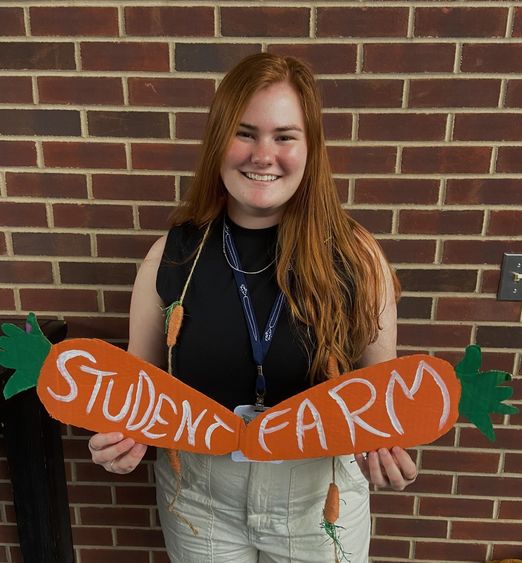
(260, 512)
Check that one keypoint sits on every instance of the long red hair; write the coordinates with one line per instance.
(337, 285)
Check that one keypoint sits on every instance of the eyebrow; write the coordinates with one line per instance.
(278, 129)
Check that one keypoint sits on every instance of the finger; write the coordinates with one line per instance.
(377, 475)
(100, 441)
(406, 465)
(110, 453)
(129, 461)
(363, 465)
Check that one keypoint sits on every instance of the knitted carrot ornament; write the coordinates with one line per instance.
(331, 505)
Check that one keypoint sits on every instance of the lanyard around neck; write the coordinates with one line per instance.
(260, 343)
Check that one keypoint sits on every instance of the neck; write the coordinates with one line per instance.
(253, 221)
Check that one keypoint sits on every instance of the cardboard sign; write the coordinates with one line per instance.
(404, 402)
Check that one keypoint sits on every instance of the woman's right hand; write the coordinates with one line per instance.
(115, 453)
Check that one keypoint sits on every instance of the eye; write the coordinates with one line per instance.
(244, 134)
(285, 138)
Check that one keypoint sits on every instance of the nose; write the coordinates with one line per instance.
(262, 154)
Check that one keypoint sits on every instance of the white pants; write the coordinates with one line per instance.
(260, 512)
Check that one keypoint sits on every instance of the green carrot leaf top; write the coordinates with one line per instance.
(482, 392)
(24, 352)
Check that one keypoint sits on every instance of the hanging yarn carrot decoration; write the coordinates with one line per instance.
(331, 505)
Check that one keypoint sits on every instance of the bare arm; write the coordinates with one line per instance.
(113, 451)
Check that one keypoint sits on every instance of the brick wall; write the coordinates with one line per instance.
(102, 105)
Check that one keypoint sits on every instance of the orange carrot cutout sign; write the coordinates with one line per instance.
(403, 402)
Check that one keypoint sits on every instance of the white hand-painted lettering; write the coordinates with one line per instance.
(264, 430)
(156, 417)
(410, 392)
(96, 389)
(186, 420)
(317, 424)
(152, 395)
(210, 430)
(353, 418)
(124, 409)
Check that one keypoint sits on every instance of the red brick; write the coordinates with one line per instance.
(337, 126)
(396, 190)
(484, 191)
(143, 495)
(117, 301)
(440, 222)
(496, 531)
(437, 280)
(389, 548)
(167, 156)
(113, 555)
(330, 58)
(510, 509)
(105, 327)
(498, 58)
(388, 503)
(488, 127)
(505, 223)
(513, 94)
(170, 21)
(17, 153)
(22, 214)
(91, 535)
(88, 472)
(490, 281)
(75, 21)
(97, 273)
(154, 217)
(133, 187)
(409, 57)
(506, 439)
(362, 22)
(265, 22)
(460, 22)
(414, 308)
(456, 507)
(124, 246)
(58, 299)
(517, 24)
(453, 92)
(212, 57)
(84, 155)
(362, 160)
(114, 516)
(439, 335)
(509, 159)
(92, 216)
(450, 551)
(26, 272)
(12, 22)
(476, 309)
(140, 537)
(51, 244)
(3, 245)
(444, 159)
(364, 93)
(401, 127)
(8, 534)
(459, 461)
(16, 90)
(190, 125)
(160, 557)
(138, 124)
(406, 250)
(410, 527)
(179, 92)
(478, 251)
(502, 551)
(46, 185)
(81, 90)
(39, 122)
(375, 220)
(500, 336)
(513, 462)
(89, 494)
(7, 299)
(152, 57)
(37, 56)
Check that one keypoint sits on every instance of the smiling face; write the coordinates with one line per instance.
(265, 160)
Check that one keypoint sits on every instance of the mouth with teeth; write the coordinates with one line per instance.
(260, 177)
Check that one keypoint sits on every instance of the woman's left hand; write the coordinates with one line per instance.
(388, 468)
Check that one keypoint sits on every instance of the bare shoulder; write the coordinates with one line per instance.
(156, 250)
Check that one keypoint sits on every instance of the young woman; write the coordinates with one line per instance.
(263, 214)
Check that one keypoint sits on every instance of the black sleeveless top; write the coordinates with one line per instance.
(213, 352)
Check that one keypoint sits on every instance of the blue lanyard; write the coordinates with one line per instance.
(260, 343)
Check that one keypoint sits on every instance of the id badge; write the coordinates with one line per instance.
(247, 413)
